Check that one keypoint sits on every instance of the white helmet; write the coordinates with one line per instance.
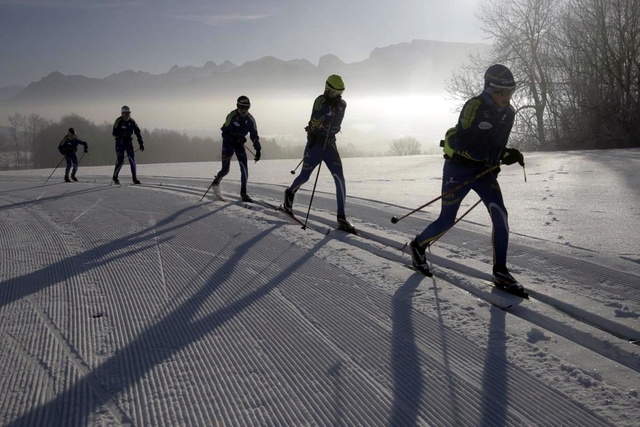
(125, 109)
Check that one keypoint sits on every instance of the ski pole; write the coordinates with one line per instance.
(395, 219)
(205, 193)
(293, 172)
(254, 154)
(326, 140)
(304, 227)
(457, 221)
(54, 170)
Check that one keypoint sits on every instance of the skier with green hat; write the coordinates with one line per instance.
(324, 124)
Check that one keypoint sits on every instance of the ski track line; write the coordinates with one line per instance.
(87, 210)
(160, 264)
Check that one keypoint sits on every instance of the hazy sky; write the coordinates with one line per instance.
(97, 38)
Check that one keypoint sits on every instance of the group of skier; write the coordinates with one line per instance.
(474, 150)
(123, 130)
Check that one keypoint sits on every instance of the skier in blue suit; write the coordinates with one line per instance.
(325, 122)
(123, 130)
(237, 125)
(477, 143)
(68, 148)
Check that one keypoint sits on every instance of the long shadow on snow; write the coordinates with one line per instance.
(495, 396)
(27, 203)
(20, 287)
(171, 328)
(408, 382)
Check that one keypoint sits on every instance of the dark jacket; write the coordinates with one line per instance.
(69, 146)
(123, 130)
(326, 118)
(236, 126)
(482, 132)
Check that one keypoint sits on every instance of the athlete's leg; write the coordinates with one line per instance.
(452, 176)
(227, 154)
(489, 191)
(334, 163)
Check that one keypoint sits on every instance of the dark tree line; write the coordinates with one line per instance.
(33, 143)
(578, 67)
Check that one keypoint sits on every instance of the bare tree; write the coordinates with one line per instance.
(17, 122)
(24, 131)
(524, 35)
(407, 146)
(602, 72)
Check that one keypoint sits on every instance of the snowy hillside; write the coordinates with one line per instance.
(142, 305)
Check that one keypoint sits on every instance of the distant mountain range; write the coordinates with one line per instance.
(417, 66)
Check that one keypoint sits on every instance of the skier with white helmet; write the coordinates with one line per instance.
(237, 125)
(477, 144)
(325, 122)
(123, 130)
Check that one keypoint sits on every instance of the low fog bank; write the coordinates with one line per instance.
(370, 125)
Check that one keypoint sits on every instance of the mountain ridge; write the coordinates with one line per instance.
(419, 65)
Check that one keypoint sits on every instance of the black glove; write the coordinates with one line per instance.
(313, 139)
(511, 156)
(257, 156)
(141, 146)
(86, 150)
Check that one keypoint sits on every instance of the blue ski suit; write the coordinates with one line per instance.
(123, 131)
(68, 148)
(234, 131)
(324, 124)
(474, 145)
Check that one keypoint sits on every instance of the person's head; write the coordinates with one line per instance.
(243, 104)
(334, 86)
(499, 84)
(71, 133)
(126, 112)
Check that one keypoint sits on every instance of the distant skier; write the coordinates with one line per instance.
(477, 143)
(325, 122)
(238, 123)
(68, 147)
(123, 130)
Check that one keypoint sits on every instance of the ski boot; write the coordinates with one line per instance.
(419, 259)
(246, 198)
(287, 205)
(73, 177)
(116, 181)
(66, 179)
(503, 280)
(345, 225)
(135, 181)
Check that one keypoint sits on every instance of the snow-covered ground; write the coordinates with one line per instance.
(142, 305)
